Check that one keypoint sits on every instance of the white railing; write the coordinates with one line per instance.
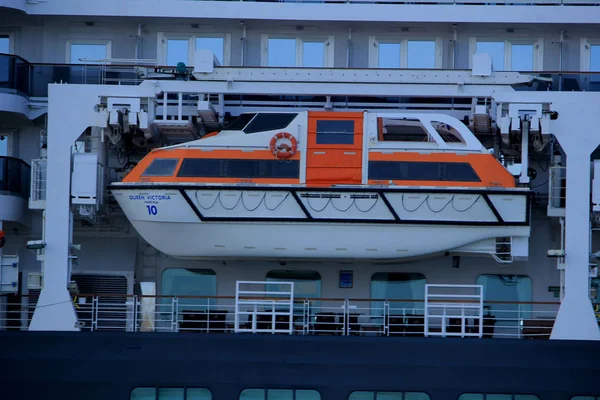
(449, 310)
(37, 199)
(323, 316)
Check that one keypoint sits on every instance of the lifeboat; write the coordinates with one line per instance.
(325, 185)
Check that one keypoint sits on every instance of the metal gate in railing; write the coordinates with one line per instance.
(269, 309)
(454, 310)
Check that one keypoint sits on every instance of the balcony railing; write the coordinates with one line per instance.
(30, 79)
(14, 177)
(322, 316)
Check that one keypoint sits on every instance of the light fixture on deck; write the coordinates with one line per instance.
(554, 253)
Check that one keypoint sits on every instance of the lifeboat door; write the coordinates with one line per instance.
(334, 148)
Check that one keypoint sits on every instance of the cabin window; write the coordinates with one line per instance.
(214, 44)
(5, 44)
(389, 55)
(306, 51)
(422, 171)
(235, 168)
(390, 52)
(269, 121)
(189, 282)
(595, 58)
(240, 122)
(177, 47)
(497, 396)
(421, 54)
(146, 393)
(4, 145)
(279, 394)
(585, 398)
(363, 395)
(511, 289)
(335, 132)
(177, 51)
(161, 167)
(407, 288)
(307, 284)
(402, 130)
(88, 51)
(510, 55)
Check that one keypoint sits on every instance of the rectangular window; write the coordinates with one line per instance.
(4, 44)
(496, 51)
(282, 53)
(161, 167)
(522, 57)
(279, 394)
(232, 168)
(388, 396)
(595, 58)
(389, 55)
(147, 393)
(88, 53)
(335, 132)
(390, 52)
(3, 145)
(214, 44)
(177, 51)
(421, 54)
(293, 52)
(422, 171)
(313, 54)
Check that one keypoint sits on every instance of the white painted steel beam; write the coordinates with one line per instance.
(577, 130)
(443, 12)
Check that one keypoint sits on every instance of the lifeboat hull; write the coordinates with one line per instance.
(219, 222)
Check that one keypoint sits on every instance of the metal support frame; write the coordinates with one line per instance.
(575, 319)
(72, 108)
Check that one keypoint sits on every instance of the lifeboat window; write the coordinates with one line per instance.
(402, 130)
(279, 394)
(335, 132)
(269, 122)
(235, 168)
(161, 167)
(240, 122)
(364, 395)
(447, 132)
(422, 171)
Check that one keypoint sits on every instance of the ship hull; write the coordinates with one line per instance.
(194, 221)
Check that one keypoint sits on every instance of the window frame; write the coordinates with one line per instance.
(403, 42)
(164, 37)
(11, 40)
(106, 42)
(328, 40)
(537, 43)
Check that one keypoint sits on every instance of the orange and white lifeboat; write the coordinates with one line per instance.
(316, 185)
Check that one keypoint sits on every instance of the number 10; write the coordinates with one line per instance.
(152, 210)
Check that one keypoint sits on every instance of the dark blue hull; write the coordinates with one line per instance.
(107, 366)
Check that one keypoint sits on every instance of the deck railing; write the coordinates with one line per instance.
(317, 316)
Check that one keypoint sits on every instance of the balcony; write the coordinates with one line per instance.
(317, 316)
(14, 189)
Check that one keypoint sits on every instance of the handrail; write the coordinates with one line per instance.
(299, 299)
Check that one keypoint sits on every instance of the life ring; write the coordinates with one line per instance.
(283, 150)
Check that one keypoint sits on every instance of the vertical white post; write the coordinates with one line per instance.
(575, 319)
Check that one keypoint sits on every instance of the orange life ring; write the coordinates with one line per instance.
(283, 150)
